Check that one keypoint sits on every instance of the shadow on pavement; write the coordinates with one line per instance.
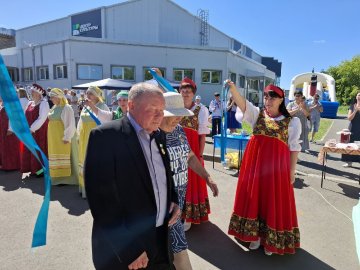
(211, 244)
(300, 183)
(329, 170)
(348, 191)
(67, 196)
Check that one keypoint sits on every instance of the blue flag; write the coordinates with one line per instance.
(164, 84)
(224, 93)
(97, 121)
(21, 129)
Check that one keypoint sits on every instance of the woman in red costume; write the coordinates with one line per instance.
(264, 210)
(9, 143)
(36, 114)
(197, 207)
(9, 149)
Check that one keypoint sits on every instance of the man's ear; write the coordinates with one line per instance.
(130, 105)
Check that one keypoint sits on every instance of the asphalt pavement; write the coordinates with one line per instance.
(324, 214)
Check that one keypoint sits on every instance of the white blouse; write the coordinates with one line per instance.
(251, 115)
(203, 119)
(104, 116)
(67, 116)
(43, 114)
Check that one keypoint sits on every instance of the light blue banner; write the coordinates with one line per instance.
(97, 121)
(164, 84)
(21, 129)
(223, 97)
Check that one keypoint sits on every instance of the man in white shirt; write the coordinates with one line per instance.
(216, 108)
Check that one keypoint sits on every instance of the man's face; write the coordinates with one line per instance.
(217, 98)
(148, 111)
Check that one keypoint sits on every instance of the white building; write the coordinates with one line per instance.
(122, 40)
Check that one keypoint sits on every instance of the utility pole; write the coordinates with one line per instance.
(32, 47)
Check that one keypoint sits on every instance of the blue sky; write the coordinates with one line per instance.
(301, 34)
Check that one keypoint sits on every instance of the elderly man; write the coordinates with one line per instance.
(130, 188)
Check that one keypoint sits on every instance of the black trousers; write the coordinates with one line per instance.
(216, 126)
(163, 260)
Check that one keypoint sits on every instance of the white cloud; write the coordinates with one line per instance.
(321, 41)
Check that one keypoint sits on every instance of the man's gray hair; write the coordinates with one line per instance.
(139, 90)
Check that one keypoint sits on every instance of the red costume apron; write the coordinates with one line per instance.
(29, 163)
(264, 202)
(9, 145)
(197, 206)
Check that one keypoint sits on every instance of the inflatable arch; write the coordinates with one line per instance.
(330, 104)
(304, 79)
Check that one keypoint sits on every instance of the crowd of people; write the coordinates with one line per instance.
(140, 165)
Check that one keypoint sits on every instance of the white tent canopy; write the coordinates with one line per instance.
(106, 84)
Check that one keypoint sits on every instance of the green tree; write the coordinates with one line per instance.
(347, 79)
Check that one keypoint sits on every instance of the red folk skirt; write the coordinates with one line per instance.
(197, 206)
(29, 163)
(264, 203)
(9, 145)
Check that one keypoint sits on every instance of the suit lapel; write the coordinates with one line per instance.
(137, 155)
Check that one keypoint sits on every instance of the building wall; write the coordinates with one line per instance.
(134, 21)
(44, 33)
(141, 56)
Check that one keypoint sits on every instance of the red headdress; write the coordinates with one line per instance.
(37, 88)
(187, 81)
(275, 89)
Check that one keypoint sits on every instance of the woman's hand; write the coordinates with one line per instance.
(212, 185)
(8, 133)
(65, 142)
(157, 70)
(292, 177)
(231, 84)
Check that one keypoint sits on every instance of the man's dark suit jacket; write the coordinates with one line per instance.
(120, 195)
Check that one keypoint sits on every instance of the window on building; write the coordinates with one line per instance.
(28, 74)
(14, 74)
(123, 73)
(60, 72)
(89, 72)
(43, 73)
(211, 76)
(232, 77)
(253, 84)
(147, 74)
(180, 74)
(241, 81)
